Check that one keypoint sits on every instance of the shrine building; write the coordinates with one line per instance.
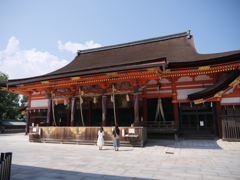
(162, 79)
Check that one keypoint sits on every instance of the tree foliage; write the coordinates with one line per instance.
(24, 101)
(3, 76)
(9, 102)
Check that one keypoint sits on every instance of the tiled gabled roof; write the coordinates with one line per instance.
(175, 48)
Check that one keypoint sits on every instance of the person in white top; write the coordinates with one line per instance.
(100, 140)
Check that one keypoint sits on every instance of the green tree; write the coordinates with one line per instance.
(9, 102)
(24, 101)
(3, 76)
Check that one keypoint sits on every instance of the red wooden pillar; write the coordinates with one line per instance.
(175, 110)
(104, 110)
(28, 114)
(136, 108)
(27, 122)
(49, 113)
(90, 113)
(218, 114)
(73, 110)
(175, 104)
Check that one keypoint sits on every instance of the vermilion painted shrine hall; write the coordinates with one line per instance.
(141, 83)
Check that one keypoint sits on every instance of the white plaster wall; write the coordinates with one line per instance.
(230, 91)
(184, 79)
(166, 87)
(192, 85)
(182, 94)
(231, 100)
(39, 103)
(165, 81)
(202, 77)
(36, 93)
(152, 82)
(157, 92)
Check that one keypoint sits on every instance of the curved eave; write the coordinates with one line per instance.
(206, 62)
(161, 62)
(220, 86)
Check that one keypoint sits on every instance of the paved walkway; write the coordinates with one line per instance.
(160, 159)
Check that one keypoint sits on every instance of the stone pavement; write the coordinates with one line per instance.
(159, 159)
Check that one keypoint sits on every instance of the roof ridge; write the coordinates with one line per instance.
(161, 38)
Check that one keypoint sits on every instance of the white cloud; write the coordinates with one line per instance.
(19, 63)
(74, 47)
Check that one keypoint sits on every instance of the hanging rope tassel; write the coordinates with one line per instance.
(65, 102)
(53, 113)
(94, 100)
(81, 102)
(161, 108)
(157, 115)
(127, 97)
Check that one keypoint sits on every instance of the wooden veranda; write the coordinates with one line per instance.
(129, 136)
(166, 127)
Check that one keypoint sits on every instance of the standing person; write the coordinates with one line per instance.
(116, 137)
(100, 140)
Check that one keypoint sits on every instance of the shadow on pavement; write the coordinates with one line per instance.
(184, 143)
(38, 173)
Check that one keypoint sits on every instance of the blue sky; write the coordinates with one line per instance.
(37, 37)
